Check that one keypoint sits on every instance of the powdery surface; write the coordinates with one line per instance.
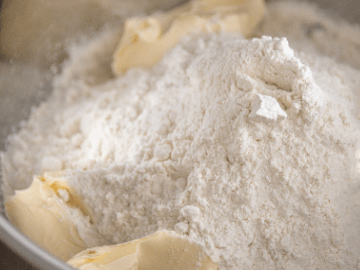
(174, 148)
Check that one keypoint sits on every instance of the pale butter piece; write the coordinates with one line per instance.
(266, 109)
(160, 251)
(39, 213)
(146, 39)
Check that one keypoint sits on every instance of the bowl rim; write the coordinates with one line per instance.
(27, 249)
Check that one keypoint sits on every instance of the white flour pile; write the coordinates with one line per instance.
(183, 147)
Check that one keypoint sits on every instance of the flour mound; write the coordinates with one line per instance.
(174, 148)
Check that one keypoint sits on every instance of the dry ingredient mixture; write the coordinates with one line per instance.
(248, 147)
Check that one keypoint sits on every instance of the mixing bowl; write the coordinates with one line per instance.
(16, 105)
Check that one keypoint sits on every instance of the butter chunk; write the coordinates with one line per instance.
(266, 109)
(146, 39)
(40, 213)
(160, 251)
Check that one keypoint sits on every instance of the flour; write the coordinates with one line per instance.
(174, 147)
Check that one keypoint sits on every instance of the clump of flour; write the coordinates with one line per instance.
(184, 147)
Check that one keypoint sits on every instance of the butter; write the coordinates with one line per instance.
(146, 39)
(160, 251)
(40, 213)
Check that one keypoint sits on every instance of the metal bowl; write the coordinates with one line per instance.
(16, 241)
